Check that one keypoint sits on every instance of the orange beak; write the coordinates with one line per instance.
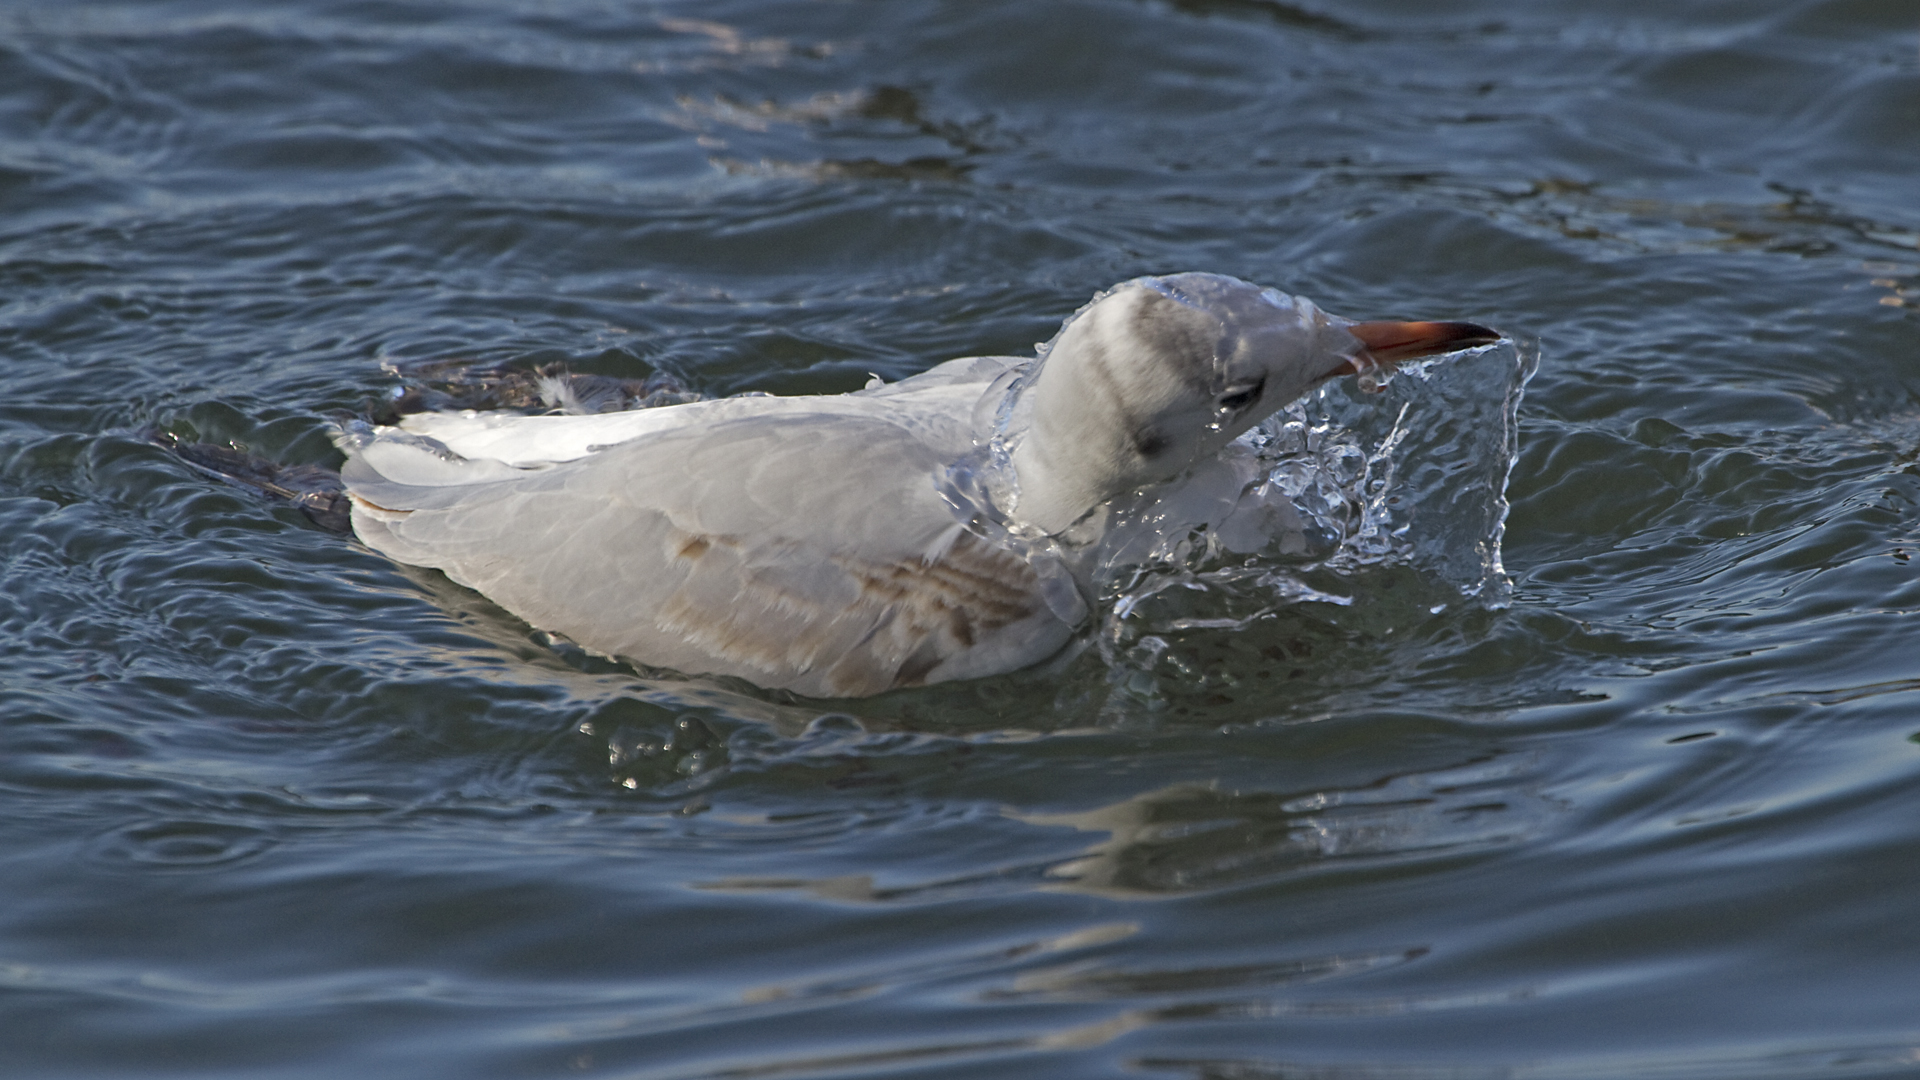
(1388, 343)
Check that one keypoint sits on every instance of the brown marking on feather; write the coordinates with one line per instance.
(691, 546)
(905, 619)
(948, 605)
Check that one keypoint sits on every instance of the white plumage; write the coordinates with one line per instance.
(942, 527)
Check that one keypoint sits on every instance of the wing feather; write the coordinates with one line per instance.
(807, 550)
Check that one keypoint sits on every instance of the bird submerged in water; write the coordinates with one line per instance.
(942, 527)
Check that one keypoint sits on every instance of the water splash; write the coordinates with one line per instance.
(1406, 471)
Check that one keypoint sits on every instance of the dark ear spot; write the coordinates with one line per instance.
(1148, 442)
(1180, 334)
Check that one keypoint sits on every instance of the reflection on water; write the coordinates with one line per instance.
(1198, 836)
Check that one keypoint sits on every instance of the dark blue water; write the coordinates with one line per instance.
(272, 806)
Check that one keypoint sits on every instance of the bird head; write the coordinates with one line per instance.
(1159, 373)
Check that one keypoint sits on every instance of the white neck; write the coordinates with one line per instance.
(1100, 418)
(1052, 494)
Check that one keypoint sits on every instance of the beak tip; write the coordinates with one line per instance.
(1389, 342)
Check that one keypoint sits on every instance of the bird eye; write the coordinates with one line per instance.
(1240, 397)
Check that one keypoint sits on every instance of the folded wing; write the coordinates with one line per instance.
(802, 551)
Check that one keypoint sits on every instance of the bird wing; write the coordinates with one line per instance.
(938, 404)
(801, 550)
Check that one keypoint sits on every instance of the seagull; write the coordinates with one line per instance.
(946, 526)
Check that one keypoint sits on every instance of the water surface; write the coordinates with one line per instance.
(276, 807)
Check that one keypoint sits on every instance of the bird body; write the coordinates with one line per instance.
(941, 527)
